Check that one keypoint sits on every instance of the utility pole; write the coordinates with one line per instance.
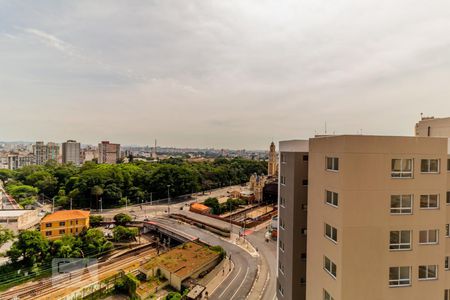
(101, 205)
(151, 198)
(53, 204)
(70, 203)
(168, 199)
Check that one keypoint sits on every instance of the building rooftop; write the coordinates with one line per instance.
(63, 215)
(184, 260)
(13, 212)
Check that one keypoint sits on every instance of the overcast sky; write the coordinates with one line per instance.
(232, 74)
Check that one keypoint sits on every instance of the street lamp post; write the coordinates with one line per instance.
(101, 205)
(168, 199)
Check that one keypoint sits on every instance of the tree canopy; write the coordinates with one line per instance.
(135, 181)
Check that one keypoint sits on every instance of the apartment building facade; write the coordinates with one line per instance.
(377, 220)
(45, 152)
(64, 222)
(108, 153)
(71, 152)
(292, 220)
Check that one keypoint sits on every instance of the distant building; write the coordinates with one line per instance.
(108, 153)
(431, 126)
(64, 222)
(257, 184)
(44, 153)
(18, 219)
(89, 154)
(272, 166)
(71, 152)
(15, 160)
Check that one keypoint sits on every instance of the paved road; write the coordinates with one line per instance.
(239, 283)
(268, 253)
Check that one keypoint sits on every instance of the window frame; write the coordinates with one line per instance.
(334, 163)
(400, 244)
(326, 295)
(428, 207)
(447, 263)
(334, 198)
(329, 263)
(333, 233)
(428, 161)
(407, 281)
(402, 208)
(428, 237)
(427, 267)
(401, 172)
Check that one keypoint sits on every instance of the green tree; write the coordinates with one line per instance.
(24, 194)
(30, 246)
(67, 247)
(95, 220)
(44, 181)
(5, 235)
(124, 234)
(94, 242)
(96, 191)
(122, 219)
(6, 174)
(214, 204)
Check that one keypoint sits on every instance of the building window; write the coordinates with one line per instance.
(329, 266)
(305, 158)
(280, 289)
(401, 204)
(282, 224)
(305, 182)
(446, 263)
(448, 197)
(402, 168)
(281, 267)
(76, 222)
(304, 231)
(428, 272)
(429, 201)
(283, 180)
(428, 236)
(303, 256)
(62, 231)
(281, 245)
(282, 201)
(327, 296)
(48, 233)
(400, 240)
(331, 232)
(447, 230)
(448, 164)
(332, 163)
(62, 223)
(283, 158)
(429, 166)
(331, 198)
(447, 294)
(48, 225)
(399, 276)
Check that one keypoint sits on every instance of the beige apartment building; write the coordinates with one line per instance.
(431, 126)
(377, 218)
(108, 153)
(71, 152)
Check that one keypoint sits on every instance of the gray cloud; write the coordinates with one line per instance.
(220, 73)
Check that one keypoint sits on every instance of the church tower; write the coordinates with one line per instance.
(272, 166)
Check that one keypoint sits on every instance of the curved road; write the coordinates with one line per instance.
(239, 283)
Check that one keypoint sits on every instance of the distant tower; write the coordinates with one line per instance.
(272, 166)
(154, 155)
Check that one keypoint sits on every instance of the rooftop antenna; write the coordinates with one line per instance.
(325, 127)
(421, 115)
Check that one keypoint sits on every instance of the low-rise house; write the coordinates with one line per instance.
(62, 222)
(18, 219)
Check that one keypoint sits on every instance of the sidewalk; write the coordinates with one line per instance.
(215, 278)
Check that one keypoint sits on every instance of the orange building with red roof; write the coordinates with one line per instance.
(200, 208)
(64, 222)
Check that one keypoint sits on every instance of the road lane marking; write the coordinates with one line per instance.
(240, 284)
(239, 272)
(226, 277)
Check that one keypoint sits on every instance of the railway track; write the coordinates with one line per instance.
(54, 288)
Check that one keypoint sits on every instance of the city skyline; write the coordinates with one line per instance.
(220, 74)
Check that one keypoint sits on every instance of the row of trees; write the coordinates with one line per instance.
(221, 208)
(132, 182)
